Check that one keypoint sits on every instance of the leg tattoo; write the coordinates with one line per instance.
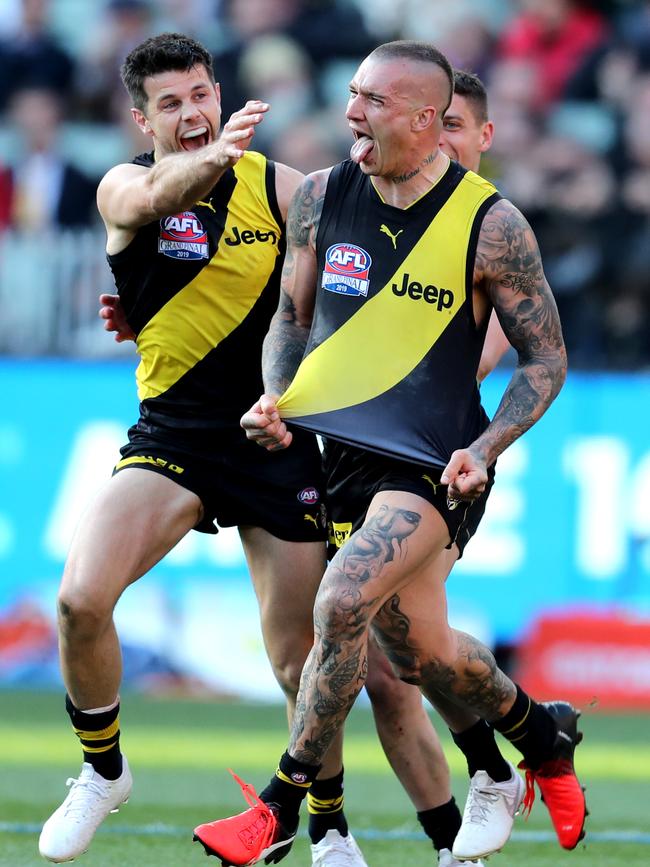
(336, 668)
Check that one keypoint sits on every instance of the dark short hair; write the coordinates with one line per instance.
(166, 52)
(472, 88)
(424, 52)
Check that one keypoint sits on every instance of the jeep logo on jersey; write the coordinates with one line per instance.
(442, 298)
(346, 270)
(309, 496)
(182, 236)
(248, 236)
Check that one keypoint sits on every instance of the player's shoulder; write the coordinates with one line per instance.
(316, 182)
(123, 173)
(118, 178)
(503, 215)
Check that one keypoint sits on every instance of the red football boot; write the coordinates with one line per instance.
(248, 838)
(557, 781)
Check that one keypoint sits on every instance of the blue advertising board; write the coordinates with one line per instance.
(568, 521)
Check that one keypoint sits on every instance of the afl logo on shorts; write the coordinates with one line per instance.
(182, 236)
(346, 270)
(309, 496)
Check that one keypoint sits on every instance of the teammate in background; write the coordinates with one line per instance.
(194, 240)
(409, 450)
(467, 133)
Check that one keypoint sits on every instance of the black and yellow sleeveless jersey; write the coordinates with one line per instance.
(199, 289)
(393, 351)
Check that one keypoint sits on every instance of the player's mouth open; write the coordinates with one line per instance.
(195, 138)
(361, 148)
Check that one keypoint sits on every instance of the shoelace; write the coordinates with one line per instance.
(551, 768)
(253, 834)
(478, 809)
(75, 802)
(529, 796)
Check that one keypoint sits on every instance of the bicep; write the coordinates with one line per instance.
(299, 273)
(298, 284)
(509, 267)
(123, 197)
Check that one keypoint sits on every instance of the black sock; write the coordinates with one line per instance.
(288, 788)
(530, 728)
(441, 824)
(325, 806)
(479, 747)
(99, 734)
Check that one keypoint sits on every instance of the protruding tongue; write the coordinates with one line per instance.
(361, 148)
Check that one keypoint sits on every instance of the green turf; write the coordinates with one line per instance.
(179, 751)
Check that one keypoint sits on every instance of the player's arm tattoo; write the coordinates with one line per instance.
(286, 340)
(337, 666)
(508, 265)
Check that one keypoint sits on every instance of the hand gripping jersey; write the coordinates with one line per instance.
(393, 351)
(199, 289)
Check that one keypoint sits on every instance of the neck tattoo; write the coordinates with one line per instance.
(401, 179)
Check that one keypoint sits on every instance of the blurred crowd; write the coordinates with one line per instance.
(568, 84)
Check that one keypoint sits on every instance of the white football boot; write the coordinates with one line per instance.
(488, 816)
(70, 829)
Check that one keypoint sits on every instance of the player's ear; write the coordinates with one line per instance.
(424, 118)
(487, 134)
(141, 120)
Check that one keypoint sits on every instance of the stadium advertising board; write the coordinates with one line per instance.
(567, 524)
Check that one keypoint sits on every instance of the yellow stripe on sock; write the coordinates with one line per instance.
(322, 805)
(104, 749)
(101, 735)
(520, 723)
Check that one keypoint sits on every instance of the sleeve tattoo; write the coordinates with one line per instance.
(285, 343)
(508, 265)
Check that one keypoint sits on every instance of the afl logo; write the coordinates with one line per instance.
(348, 259)
(182, 236)
(309, 496)
(346, 270)
(299, 777)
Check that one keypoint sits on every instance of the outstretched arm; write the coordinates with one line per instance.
(509, 268)
(129, 196)
(285, 343)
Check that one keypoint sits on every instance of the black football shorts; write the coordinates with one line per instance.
(238, 482)
(354, 476)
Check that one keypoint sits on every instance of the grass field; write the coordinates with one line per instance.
(179, 752)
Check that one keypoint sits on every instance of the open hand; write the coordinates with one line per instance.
(238, 132)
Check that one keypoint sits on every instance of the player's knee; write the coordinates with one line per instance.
(433, 670)
(382, 685)
(79, 615)
(336, 617)
(287, 668)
